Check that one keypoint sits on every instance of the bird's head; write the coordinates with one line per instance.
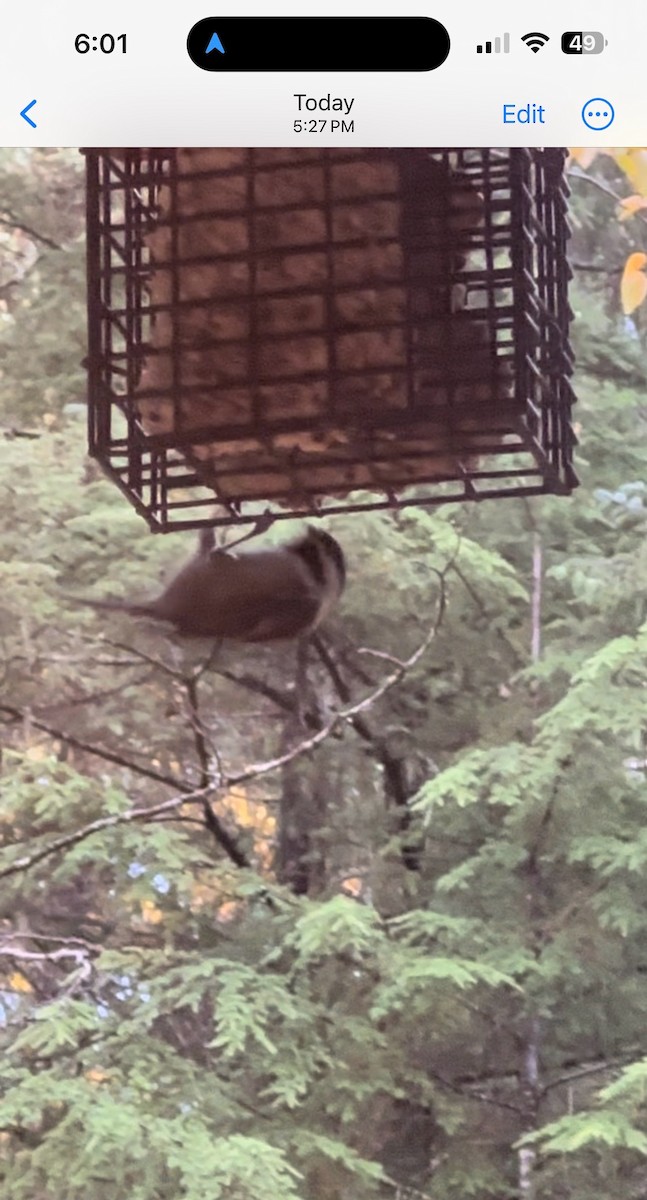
(323, 557)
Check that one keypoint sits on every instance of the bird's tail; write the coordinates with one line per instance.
(143, 609)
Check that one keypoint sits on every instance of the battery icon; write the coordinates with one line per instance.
(575, 42)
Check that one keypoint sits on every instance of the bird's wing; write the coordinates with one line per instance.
(255, 598)
(250, 618)
(290, 617)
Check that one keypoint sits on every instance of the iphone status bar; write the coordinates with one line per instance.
(160, 75)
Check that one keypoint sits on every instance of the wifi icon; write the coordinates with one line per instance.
(535, 41)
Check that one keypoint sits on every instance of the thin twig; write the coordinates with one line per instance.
(200, 740)
(147, 658)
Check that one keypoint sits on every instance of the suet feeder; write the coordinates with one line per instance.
(307, 331)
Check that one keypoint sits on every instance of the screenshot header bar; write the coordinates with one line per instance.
(160, 74)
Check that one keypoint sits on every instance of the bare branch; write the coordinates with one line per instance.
(206, 755)
(10, 221)
(383, 654)
(471, 1094)
(143, 657)
(18, 954)
(251, 684)
(34, 936)
(611, 1064)
(347, 714)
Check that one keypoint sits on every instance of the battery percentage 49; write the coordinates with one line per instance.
(575, 42)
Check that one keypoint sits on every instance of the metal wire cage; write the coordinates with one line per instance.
(321, 330)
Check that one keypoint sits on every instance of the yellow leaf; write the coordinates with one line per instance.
(352, 886)
(633, 286)
(36, 753)
(151, 914)
(203, 894)
(237, 792)
(96, 1075)
(266, 826)
(265, 855)
(228, 910)
(631, 205)
(18, 983)
(239, 806)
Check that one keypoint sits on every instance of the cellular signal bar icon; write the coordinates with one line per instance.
(486, 48)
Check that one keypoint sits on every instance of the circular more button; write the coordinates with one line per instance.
(598, 113)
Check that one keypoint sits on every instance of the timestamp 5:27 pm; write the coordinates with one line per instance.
(322, 125)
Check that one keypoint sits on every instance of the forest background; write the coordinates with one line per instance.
(427, 978)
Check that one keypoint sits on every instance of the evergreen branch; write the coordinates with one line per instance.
(98, 751)
(224, 839)
(80, 835)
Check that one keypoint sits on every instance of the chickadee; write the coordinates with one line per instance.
(250, 596)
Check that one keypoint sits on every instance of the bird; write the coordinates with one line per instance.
(266, 595)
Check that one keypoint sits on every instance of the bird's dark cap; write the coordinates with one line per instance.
(314, 544)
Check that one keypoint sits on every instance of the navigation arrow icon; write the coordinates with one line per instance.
(215, 44)
(24, 112)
